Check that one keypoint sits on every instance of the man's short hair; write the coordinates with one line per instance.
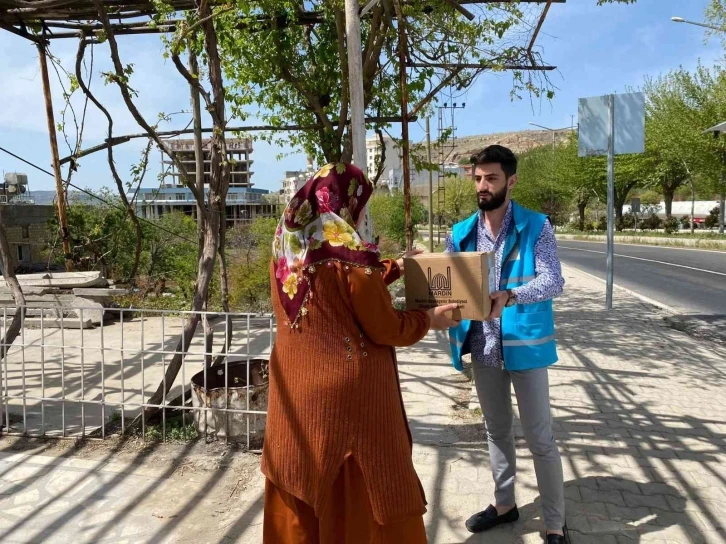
(497, 154)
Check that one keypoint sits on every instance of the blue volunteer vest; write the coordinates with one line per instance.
(528, 330)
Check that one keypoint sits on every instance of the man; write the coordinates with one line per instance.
(516, 344)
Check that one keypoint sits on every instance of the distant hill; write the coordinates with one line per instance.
(519, 142)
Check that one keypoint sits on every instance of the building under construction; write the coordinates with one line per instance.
(244, 202)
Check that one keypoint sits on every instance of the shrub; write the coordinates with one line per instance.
(671, 225)
(712, 219)
(651, 222)
(389, 220)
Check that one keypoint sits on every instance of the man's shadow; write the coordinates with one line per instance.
(601, 506)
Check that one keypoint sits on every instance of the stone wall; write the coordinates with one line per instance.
(27, 230)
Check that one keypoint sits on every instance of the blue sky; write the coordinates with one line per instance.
(597, 50)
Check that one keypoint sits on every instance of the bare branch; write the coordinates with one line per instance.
(111, 163)
(343, 55)
(120, 79)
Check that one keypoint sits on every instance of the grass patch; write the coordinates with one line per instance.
(176, 430)
(703, 243)
(647, 234)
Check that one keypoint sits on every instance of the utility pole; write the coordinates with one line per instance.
(357, 102)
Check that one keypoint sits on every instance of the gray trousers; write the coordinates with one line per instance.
(493, 387)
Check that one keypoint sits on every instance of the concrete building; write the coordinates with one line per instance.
(392, 175)
(26, 226)
(295, 179)
(244, 202)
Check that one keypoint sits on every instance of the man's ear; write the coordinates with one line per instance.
(512, 181)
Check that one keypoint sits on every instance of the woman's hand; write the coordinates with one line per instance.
(439, 320)
(407, 255)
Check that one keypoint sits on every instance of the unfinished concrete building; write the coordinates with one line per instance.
(245, 203)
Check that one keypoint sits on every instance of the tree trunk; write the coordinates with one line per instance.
(693, 206)
(218, 186)
(198, 148)
(668, 198)
(7, 263)
(205, 270)
(581, 206)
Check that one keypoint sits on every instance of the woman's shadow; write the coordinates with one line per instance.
(601, 506)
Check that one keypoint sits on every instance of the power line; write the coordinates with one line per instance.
(97, 197)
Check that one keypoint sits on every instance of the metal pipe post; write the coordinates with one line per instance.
(611, 203)
(722, 205)
(405, 155)
(431, 187)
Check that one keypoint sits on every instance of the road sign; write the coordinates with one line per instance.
(629, 124)
(635, 205)
(611, 125)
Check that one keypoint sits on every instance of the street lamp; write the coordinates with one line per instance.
(704, 25)
(552, 130)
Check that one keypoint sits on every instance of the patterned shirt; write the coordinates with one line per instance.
(486, 336)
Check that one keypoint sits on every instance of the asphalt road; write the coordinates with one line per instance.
(689, 280)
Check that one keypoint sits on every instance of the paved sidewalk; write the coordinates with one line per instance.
(640, 416)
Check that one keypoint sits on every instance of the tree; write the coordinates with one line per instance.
(293, 65)
(712, 220)
(679, 106)
(539, 186)
(572, 173)
(459, 200)
(250, 278)
(102, 237)
(716, 15)
(389, 222)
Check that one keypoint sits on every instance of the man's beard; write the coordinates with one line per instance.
(495, 202)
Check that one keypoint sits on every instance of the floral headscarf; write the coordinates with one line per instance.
(319, 226)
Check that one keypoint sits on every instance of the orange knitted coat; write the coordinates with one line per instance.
(334, 393)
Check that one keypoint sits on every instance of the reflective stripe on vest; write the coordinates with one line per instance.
(533, 342)
(516, 279)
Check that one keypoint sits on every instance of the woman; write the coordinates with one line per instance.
(337, 452)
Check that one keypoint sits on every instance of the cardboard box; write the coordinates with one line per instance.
(435, 279)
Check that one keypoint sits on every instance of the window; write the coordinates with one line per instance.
(26, 231)
(23, 253)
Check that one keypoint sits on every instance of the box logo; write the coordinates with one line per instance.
(440, 285)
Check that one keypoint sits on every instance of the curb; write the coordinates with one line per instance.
(630, 292)
(639, 241)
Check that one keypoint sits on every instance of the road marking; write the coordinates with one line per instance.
(647, 260)
(721, 251)
(642, 298)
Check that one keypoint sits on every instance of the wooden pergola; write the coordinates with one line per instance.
(42, 21)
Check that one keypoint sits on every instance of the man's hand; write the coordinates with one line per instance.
(499, 299)
(439, 320)
(407, 255)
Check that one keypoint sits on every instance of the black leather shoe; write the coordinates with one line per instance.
(558, 539)
(483, 521)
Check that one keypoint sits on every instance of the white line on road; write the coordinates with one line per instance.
(618, 242)
(647, 260)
